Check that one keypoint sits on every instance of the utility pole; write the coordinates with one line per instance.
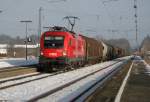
(39, 30)
(40, 23)
(136, 22)
(26, 40)
(97, 23)
(71, 22)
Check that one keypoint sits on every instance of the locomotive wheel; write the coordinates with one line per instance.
(48, 68)
(70, 65)
(44, 67)
(40, 67)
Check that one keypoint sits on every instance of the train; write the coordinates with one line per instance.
(61, 48)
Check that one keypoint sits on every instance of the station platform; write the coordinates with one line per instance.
(137, 88)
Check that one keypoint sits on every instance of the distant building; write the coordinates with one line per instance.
(18, 50)
(24, 46)
(3, 50)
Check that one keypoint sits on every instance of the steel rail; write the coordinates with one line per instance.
(18, 78)
(15, 68)
(20, 83)
(15, 71)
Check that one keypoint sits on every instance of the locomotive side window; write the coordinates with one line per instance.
(53, 41)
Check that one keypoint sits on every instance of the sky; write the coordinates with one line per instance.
(108, 19)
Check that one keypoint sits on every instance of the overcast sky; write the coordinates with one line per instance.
(105, 18)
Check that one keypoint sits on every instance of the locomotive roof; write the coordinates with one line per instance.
(58, 28)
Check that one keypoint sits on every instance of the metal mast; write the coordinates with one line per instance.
(39, 30)
(136, 21)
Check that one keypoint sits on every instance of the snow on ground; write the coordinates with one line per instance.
(11, 62)
(22, 80)
(69, 93)
(147, 67)
(19, 76)
(35, 88)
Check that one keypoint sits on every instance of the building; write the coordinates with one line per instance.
(3, 50)
(17, 50)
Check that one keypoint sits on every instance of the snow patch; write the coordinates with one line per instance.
(147, 67)
(12, 62)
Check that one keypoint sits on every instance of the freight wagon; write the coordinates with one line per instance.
(93, 50)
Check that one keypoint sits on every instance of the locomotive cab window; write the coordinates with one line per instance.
(53, 41)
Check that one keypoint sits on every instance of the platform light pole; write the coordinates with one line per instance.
(26, 40)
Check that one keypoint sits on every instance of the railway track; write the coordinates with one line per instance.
(48, 93)
(34, 79)
(9, 82)
(14, 71)
(23, 80)
(26, 79)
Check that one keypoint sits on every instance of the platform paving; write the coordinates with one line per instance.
(137, 88)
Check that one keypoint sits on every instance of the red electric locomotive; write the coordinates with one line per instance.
(59, 48)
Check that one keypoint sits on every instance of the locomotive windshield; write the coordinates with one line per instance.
(53, 41)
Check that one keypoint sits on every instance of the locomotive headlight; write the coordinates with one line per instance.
(41, 53)
(64, 53)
